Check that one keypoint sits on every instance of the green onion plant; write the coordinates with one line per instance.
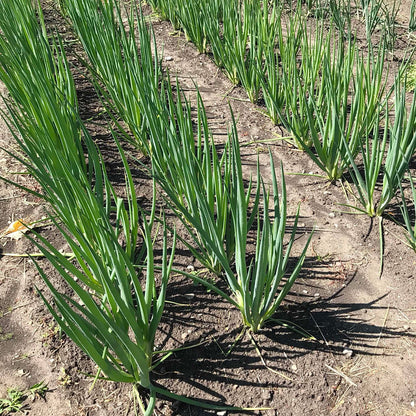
(189, 15)
(348, 119)
(111, 317)
(25, 58)
(412, 20)
(258, 286)
(399, 138)
(121, 65)
(389, 24)
(193, 176)
(409, 215)
(262, 27)
(341, 16)
(212, 16)
(338, 118)
(371, 10)
(117, 298)
(280, 86)
(167, 9)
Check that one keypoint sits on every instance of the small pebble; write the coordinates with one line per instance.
(294, 367)
(222, 413)
(305, 292)
(190, 268)
(189, 296)
(316, 295)
(406, 327)
(266, 395)
(331, 214)
(347, 352)
(168, 58)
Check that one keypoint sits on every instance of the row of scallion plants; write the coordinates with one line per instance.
(316, 82)
(118, 289)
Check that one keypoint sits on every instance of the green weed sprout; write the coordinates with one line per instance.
(13, 402)
(411, 76)
(38, 390)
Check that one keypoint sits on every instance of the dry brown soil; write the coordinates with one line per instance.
(363, 361)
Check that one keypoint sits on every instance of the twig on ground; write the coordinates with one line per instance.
(264, 362)
(341, 374)
(384, 325)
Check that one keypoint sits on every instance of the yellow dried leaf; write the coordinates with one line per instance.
(16, 229)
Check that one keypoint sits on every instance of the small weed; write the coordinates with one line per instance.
(65, 379)
(13, 402)
(320, 258)
(5, 336)
(38, 391)
(51, 331)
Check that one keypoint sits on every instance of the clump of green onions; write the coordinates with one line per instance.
(121, 65)
(256, 288)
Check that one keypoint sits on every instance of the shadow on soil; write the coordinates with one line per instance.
(224, 355)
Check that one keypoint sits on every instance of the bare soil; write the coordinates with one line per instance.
(363, 360)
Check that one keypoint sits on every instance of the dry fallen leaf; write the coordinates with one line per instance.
(16, 229)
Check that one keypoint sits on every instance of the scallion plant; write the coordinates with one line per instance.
(114, 319)
(412, 20)
(121, 65)
(371, 10)
(262, 26)
(190, 17)
(339, 118)
(117, 299)
(409, 214)
(194, 177)
(399, 138)
(235, 37)
(287, 82)
(258, 286)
